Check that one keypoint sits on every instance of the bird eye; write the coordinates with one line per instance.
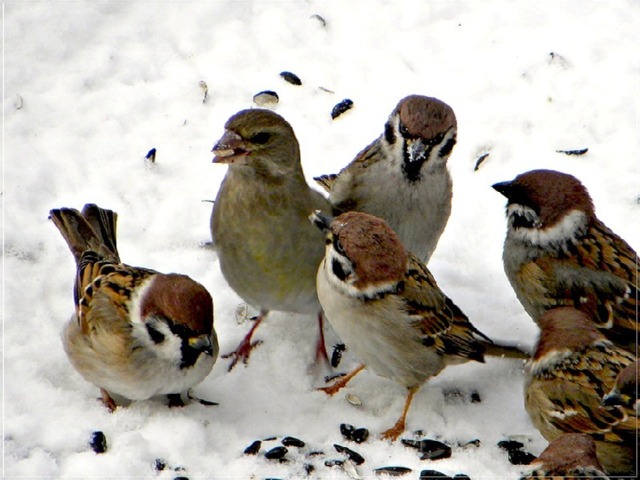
(404, 131)
(260, 138)
(156, 336)
(338, 246)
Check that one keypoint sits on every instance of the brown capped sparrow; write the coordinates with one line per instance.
(625, 391)
(268, 251)
(388, 309)
(570, 456)
(136, 333)
(402, 176)
(557, 253)
(572, 368)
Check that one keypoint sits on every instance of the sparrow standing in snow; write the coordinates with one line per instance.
(572, 368)
(557, 253)
(268, 251)
(388, 309)
(136, 333)
(571, 456)
(402, 176)
(625, 391)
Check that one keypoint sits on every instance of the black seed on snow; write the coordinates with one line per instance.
(461, 476)
(333, 463)
(430, 449)
(346, 430)
(336, 356)
(292, 442)
(520, 457)
(330, 378)
(292, 78)
(355, 457)
(479, 161)
(180, 478)
(433, 474)
(393, 471)
(159, 465)
(360, 435)
(475, 397)
(98, 442)
(315, 453)
(151, 155)
(270, 439)
(266, 98)
(309, 468)
(341, 107)
(254, 448)
(276, 453)
(510, 445)
(322, 21)
(580, 151)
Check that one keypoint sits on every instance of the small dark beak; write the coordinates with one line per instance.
(201, 344)
(228, 148)
(320, 220)
(503, 187)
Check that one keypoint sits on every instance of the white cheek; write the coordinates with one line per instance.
(566, 229)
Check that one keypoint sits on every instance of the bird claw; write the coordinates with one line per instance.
(107, 401)
(393, 433)
(241, 353)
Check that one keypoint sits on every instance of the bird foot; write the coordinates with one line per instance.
(242, 352)
(107, 401)
(394, 432)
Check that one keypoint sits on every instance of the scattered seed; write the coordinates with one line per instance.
(180, 478)
(317, 17)
(433, 474)
(479, 161)
(292, 442)
(510, 445)
(580, 151)
(472, 443)
(276, 453)
(159, 465)
(353, 399)
(520, 457)
(333, 463)
(351, 470)
(461, 476)
(475, 397)
(324, 89)
(205, 90)
(336, 356)
(309, 468)
(393, 471)
(341, 107)
(292, 78)
(430, 449)
(266, 98)
(242, 312)
(253, 449)
(315, 453)
(98, 442)
(331, 378)
(355, 457)
(151, 156)
(269, 439)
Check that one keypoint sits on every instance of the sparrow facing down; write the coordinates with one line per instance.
(136, 333)
(268, 251)
(388, 309)
(572, 368)
(571, 456)
(557, 253)
(402, 176)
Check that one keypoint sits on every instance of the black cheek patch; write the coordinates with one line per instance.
(389, 136)
(338, 270)
(155, 335)
(447, 147)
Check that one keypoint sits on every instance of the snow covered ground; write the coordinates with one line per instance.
(91, 87)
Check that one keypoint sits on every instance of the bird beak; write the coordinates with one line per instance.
(503, 187)
(320, 220)
(202, 344)
(417, 151)
(230, 148)
(612, 399)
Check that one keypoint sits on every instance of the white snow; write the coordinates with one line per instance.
(90, 87)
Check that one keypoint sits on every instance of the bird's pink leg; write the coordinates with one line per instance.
(321, 348)
(243, 350)
(341, 382)
(394, 432)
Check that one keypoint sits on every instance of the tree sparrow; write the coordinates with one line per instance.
(402, 176)
(570, 456)
(557, 253)
(572, 367)
(625, 391)
(136, 333)
(268, 251)
(388, 309)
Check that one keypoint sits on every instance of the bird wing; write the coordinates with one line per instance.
(437, 320)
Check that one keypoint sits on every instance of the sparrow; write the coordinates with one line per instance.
(402, 175)
(388, 309)
(625, 391)
(573, 366)
(136, 333)
(268, 251)
(558, 253)
(570, 456)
